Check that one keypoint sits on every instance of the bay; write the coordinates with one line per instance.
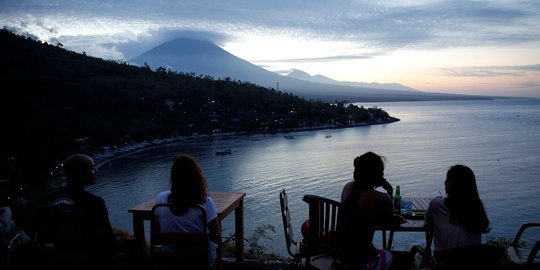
(499, 139)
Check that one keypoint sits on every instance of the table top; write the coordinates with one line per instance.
(225, 202)
(419, 203)
(416, 223)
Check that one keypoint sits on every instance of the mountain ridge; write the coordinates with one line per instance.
(318, 78)
(207, 59)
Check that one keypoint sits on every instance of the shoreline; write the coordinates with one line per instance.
(111, 155)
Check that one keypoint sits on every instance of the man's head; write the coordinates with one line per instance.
(80, 170)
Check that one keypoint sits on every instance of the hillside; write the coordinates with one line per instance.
(55, 102)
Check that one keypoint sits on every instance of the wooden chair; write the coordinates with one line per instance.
(324, 238)
(178, 250)
(301, 250)
(61, 238)
(323, 223)
(524, 257)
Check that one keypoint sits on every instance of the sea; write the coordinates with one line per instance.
(498, 139)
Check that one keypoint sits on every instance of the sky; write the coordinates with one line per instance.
(457, 46)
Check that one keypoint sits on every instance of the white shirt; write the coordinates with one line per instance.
(188, 222)
(447, 234)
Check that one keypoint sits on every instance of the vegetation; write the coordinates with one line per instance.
(257, 243)
(501, 242)
(56, 102)
(254, 245)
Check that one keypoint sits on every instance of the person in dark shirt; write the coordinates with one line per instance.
(368, 209)
(80, 171)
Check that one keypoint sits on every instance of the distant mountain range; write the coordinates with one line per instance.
(205, 58)
(302, 75)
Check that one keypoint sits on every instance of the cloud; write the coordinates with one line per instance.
(451, 24)
(495, 71)
(431, 24)
(147, 41)
(533, 68)
(319, 36)
(31, 26)
(469, 72)
(127, 28)
(323, 59)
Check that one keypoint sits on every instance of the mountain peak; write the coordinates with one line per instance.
(186, 46)
(201, 57)
(299, 74)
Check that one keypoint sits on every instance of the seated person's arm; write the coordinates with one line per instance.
(215, 231)
(385, 214)
(387, 187)
(215, 234)
(105, 229)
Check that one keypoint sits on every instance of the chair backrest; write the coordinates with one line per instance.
(525, 255)
(184, 250)
(287, 225)
(61, 235)
(325, 216)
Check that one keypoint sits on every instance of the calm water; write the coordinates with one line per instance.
(498, 139)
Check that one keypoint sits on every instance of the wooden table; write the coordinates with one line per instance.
(226, 203)
(412, 225)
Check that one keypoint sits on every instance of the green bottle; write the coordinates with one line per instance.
(397, 201)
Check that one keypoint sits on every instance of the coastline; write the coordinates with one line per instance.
(119, 152)
(103, 158)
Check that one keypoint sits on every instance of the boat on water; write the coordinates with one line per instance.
(227, 151)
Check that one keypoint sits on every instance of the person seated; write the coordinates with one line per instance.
(458, 219)
(15, 240)
(7, 223)
(99, 239)
(188, 187)
(369, 209)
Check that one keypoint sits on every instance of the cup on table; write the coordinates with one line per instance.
(406, 205)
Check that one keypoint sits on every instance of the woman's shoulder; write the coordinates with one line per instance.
(163, 196)
(347, 190)
(209, 200)
(373, 199)
(375, 194)
(349, 185)
(437, 202)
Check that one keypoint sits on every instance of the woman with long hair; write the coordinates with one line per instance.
(458, 219)
(188, 187)
(368, 209)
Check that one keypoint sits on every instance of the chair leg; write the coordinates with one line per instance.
(297, 262)
(294, 263)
